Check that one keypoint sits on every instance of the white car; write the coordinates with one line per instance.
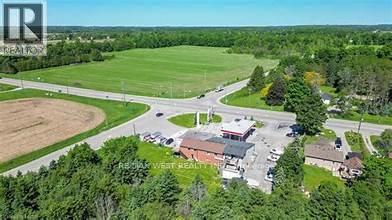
(273, 158)
(276, 152)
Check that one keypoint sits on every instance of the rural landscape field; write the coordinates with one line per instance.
(196, 110)
(178, 72)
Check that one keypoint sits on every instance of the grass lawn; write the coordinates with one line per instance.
(5, 87)
(314, 176)
(116, 114)
(329, 90)
(375, 119)
(327, 134)
(356, 142)
(178, 72)
(242, 98)
(184, 170)
(188, 120)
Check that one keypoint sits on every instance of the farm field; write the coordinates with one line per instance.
(30, 124)
(178, 72)
(76, 127)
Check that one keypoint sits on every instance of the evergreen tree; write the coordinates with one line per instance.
(296, 91)
(311, 114)
(257, 79)
(276, 94)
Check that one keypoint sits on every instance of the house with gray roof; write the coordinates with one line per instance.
(323, 154)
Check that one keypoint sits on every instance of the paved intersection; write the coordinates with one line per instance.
(170, 107)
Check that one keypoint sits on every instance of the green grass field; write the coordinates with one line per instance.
(242, 98)
(116, 114)
(178, 72)
(188, 120)
(5, 87)
(314, 176)
(184, 170)
(326, 134)
(356, 142)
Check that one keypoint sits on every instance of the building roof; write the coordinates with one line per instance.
(239, 127)
(326, 96)
(325, 151)
(196, 135)
(202, 145)
(233, 148)
(353, 163)
(354, 154)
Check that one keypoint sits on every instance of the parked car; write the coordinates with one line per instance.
(145, 136)
(273, 158)
(270, 175)
(162, 140)
(159, 114)
(201, 96)
(276, 152)
(155, 136)
(338, 142)
(169, 141)
(219, 89)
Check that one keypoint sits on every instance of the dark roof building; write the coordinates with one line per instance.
(202, 145)
(353, 163)
(233, 148)
(325, 151)
(326, 96)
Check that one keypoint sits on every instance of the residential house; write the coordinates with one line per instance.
(323, 154)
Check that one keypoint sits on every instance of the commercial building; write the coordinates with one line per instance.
(203, 151)
(217, 151)
(238, 129)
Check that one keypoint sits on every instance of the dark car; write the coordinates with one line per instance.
(159, 114)
(169, 141)
(201, 96)
(338, 142)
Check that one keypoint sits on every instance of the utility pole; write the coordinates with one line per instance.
(171, 89)
(67, 86)
(123, 91)
(205, 80)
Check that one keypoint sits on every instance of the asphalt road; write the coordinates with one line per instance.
(148, 122)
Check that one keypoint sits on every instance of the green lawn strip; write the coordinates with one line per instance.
(314, 176)
(116, 114)
(178, 72)
(5, 87)
(327, 134)
(356, 142)
(242, 98)
(329, 90)
(162, 158)
(375, 119)
(188, 120)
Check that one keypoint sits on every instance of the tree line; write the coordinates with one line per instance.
(115, 183)
(275, 42)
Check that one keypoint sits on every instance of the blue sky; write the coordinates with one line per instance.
(217, 12)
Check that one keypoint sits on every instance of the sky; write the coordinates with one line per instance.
(218, 12)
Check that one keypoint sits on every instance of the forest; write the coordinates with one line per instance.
(114, 183)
